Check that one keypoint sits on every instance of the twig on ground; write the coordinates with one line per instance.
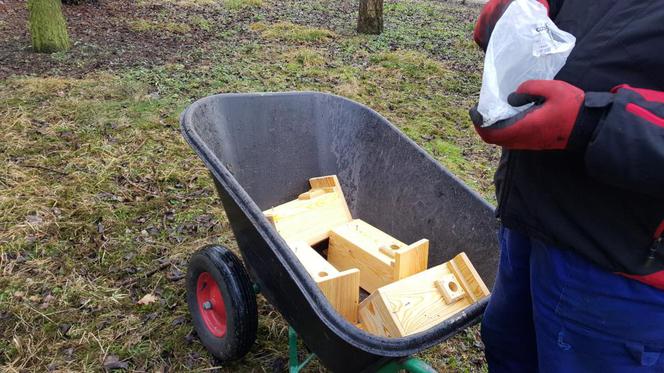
(44, 168)
(147, 274)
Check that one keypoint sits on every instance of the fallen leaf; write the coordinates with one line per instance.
(113, 362)
(105, 196)
(190, 337)
(153, 231)
(147, 299)
(174, 274)
(46, 301)
(34, 219)
(150, 316)
(64, 329)
(178, 321)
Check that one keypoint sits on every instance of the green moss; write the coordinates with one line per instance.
(291, 32)
(201, 22)
(48, 26)
(305, 57)
(412, 63)
(242, 4)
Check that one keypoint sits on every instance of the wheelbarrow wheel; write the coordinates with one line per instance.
(222, 303)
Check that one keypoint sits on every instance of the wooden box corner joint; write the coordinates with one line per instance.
(341, 288)
(381, 258)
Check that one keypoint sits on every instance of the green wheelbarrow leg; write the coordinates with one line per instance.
(410, 364)
(294, 366)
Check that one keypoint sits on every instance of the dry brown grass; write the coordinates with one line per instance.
(102, 202)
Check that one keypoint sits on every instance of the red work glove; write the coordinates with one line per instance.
(490, 14)
(547, 125)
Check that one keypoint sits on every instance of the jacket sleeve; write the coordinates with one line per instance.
(627, 145)
(554, 7)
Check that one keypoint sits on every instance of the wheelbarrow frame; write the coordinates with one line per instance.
(276, 270)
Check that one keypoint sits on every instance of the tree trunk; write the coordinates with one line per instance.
(370, 20)
(47, 26)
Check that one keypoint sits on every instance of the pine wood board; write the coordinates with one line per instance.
(416, 303)
(468, 277)
(411, 259)
(313, 214)
(381, 258)
(342, 291)
(340, 288)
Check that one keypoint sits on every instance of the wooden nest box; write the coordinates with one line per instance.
(423, 300)
(307, 221)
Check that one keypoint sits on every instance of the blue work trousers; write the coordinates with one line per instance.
(553, 311)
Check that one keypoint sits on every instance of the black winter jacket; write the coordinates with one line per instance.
(605, 198)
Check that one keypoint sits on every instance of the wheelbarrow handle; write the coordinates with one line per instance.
(410, 364)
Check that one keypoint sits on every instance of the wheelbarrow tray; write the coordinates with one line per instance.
(261, 149)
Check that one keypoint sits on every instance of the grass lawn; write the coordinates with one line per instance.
(102, 202)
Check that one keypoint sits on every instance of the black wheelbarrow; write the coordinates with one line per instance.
(261, 149)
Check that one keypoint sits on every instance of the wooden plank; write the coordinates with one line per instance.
(381, 258)
(342, 289)
(462, 281)
(411, 259)
(357, 245)
(331, 182)
(312, 261)
(312, 193)
(313, 214)
(470, 280)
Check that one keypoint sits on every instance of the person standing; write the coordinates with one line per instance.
(580, 189)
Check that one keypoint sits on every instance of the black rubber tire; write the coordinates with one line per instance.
(239, 299)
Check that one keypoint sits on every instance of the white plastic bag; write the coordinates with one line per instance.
(525, 44)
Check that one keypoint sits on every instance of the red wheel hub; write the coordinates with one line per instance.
(211, 304)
